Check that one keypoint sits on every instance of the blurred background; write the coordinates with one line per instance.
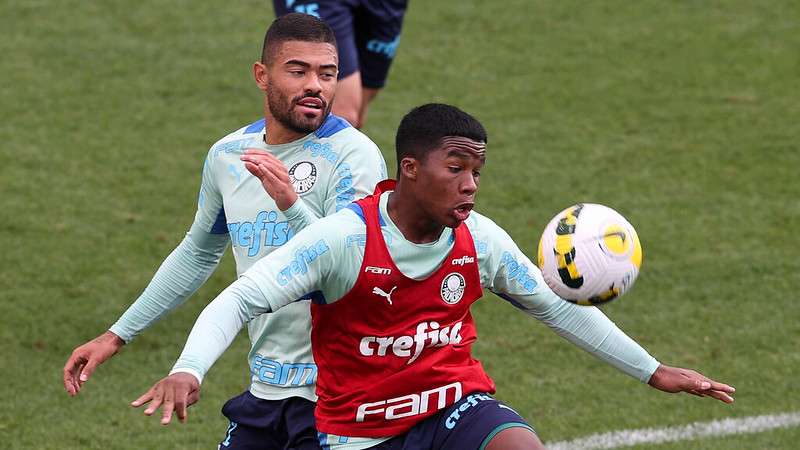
(684, 116)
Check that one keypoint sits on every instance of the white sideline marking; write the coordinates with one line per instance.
(628, 438)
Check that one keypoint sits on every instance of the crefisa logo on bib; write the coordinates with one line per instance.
(303, 175)
(453, 288)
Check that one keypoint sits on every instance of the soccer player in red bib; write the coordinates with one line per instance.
(392, 278)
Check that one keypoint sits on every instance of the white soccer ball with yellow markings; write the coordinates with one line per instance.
(589, 254)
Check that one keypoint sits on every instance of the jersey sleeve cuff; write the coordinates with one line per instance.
(298, 210)
(191, 372)
(649, 369)
(127, 337)
(299, 215)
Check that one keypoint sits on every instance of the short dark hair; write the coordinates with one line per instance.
(423, 128)
(294, 27)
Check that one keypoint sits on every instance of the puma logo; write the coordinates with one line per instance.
(382, 293)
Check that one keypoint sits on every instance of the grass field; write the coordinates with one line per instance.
(684, 116)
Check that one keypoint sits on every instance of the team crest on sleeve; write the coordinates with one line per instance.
(453, 288)
(303, 175)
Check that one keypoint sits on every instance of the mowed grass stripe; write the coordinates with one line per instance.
(696, 430)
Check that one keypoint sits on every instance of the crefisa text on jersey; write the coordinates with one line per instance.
(428, 334)
(462, 261)
(321, 150)
(518, 272)
(303, 257)
(265, 229)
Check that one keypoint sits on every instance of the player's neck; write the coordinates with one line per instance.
(415, 224)
(276, 134)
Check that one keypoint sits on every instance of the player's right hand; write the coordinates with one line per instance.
(175, 393)
(676, 379)
(85, 359)
(273, 175)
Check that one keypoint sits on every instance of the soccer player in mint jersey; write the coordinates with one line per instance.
(392, 278)
(312, 164)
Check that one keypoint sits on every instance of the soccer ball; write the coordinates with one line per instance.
(589, 254)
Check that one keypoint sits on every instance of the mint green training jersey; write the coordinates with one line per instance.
(326, 257)
(329, 169)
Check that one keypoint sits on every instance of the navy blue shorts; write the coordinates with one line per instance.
(468, 424)
(258, 424)
(367, 32)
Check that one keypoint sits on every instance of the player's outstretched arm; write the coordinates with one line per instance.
(85, 359)
(180, 275)
(213, 332)
(184, 270)
(675, 379)
(279, 274)
(174, 393)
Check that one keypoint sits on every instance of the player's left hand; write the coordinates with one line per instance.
(676, 379)
(175, 393)
(273, 175)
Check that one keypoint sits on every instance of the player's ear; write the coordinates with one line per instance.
(261, 75)
(408, 168)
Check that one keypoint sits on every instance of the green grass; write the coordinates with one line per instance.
(684, 116)
(773, 439)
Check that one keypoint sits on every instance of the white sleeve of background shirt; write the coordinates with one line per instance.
(307, 264)
(185, 269)
(299, 215)
(507, 272)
